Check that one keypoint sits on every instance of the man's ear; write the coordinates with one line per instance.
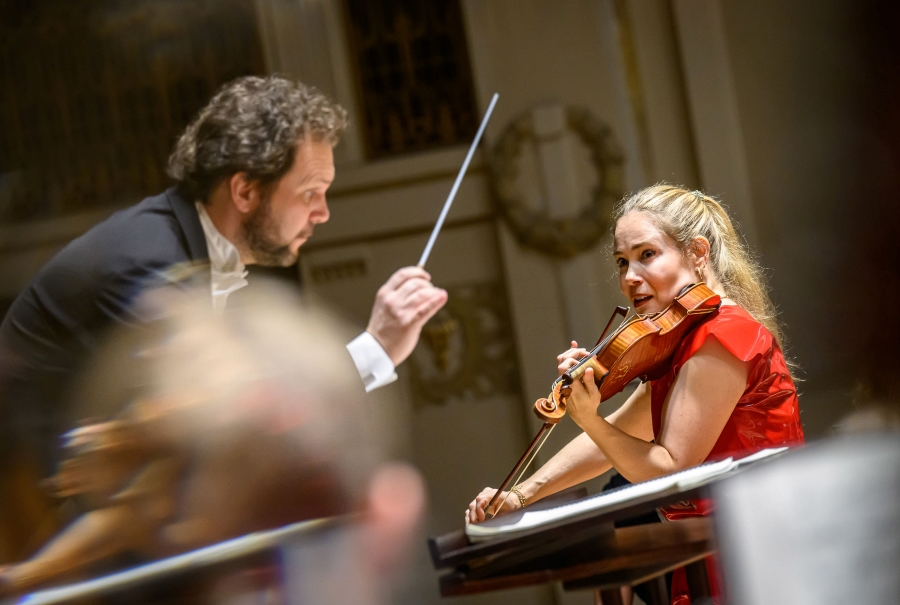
(244, 192)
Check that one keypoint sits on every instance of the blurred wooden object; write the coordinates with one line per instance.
(29, 516)
(153, 490)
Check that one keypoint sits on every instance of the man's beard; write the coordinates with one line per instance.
(261, 236)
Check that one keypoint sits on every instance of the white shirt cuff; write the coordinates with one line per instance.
(374, 365)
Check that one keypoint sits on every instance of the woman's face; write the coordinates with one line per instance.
(652, 268)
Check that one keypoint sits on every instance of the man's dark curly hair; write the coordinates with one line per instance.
(252, 125)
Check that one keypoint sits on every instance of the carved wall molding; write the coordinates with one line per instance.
(466, 351)
(559, 237)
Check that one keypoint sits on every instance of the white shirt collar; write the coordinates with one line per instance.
(227, 272)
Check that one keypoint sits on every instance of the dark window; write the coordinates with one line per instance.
(94, 94)
(412, 72)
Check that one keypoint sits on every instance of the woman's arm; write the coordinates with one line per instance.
(697, 407)
(577, 462)
(581, 459)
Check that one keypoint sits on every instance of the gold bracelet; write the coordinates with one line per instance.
(515, 490)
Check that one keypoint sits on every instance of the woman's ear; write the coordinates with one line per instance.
(244, 192)
(699, 249)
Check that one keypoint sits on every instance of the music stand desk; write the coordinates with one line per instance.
(583, 552)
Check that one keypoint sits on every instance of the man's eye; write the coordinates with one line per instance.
(308, 195)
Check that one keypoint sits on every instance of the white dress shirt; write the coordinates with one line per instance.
(228, 274)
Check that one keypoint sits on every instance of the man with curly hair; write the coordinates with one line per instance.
(251, 173)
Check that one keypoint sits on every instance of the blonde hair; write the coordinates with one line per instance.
(685, 215)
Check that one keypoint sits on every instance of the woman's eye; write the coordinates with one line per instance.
(621, 263)
(647, 253)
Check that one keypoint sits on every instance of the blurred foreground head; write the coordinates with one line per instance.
(206, 427)
(234, 423)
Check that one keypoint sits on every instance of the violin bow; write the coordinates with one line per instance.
(544, 433)
(459, 178)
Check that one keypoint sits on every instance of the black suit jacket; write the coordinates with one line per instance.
(55, 325)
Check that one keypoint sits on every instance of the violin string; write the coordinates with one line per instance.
(527, 464)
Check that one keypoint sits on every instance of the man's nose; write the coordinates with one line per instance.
(321, 214)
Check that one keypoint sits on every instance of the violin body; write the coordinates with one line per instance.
(638, 348)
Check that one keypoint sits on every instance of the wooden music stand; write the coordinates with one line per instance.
(585, 551)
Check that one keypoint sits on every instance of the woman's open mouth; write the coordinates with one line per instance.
(640, 301)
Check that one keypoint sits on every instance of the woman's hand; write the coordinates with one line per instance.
(475, 513)
(582, 402)
(570, 358)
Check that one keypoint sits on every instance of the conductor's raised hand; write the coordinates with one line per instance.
(570, 358)
(403, 304)
(476, 511)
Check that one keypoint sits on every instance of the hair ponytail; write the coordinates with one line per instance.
(684, 215)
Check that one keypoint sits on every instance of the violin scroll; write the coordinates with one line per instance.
(548, 410)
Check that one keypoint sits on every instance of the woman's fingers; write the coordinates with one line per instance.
(573, 353)
(475, 513)
(483, 499)
(567, 365)
(583, 399)
(590, 385)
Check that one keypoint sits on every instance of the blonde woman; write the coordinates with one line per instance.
(728, 390)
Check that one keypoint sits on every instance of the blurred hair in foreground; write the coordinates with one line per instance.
(205, 427)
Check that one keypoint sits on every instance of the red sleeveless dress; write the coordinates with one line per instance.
(766, 415)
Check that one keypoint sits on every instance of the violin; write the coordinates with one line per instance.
(639, 348)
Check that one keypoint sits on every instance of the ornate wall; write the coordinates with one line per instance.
(716, 94)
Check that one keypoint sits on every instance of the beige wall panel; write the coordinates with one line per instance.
(662, 91)
(717, 127)
(395, 209)
(306, 40)
(460, 445)
(534, 53)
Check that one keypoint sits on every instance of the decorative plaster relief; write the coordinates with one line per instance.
(466, 350)
(537, 228)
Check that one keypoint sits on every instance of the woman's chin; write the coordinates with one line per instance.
(651, 308)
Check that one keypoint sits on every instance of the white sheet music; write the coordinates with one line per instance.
(521, 520)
